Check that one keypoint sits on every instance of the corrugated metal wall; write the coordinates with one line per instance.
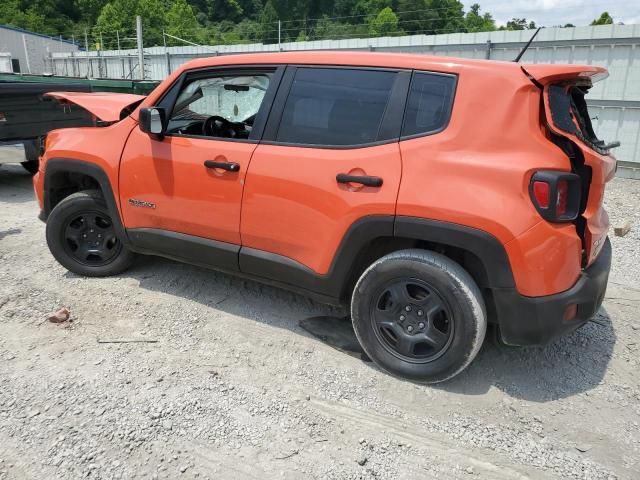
(615, 103)
(32, 50)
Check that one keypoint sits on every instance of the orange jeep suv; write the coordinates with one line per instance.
(430, 195)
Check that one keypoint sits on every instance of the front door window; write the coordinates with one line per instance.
(219, 106)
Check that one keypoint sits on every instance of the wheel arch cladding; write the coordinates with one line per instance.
(64, 176)
(486, 255)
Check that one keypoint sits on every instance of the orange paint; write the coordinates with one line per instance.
(285, 199)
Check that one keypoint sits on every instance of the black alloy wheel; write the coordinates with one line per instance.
(90, 238)
(84, 238)
(412, 320)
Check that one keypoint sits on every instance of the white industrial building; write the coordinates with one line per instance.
(29, 52)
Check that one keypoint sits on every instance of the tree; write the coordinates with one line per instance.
(519, 24)
(225, 10)
(603, 19)
(269, 24)
(474, 22)
(415, 17)
(12, 14)
(385, 23)
(88, 10)
(119, 16)
(181, 21)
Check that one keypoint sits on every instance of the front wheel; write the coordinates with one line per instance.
(82, 237)
(419, 315)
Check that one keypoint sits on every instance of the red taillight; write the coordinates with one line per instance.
(556, 195)
(541, 194)
(563, 196)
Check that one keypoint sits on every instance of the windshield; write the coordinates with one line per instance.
(236, 99)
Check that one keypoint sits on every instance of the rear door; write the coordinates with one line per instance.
(329, 157)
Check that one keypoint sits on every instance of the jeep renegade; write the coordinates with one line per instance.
(430, 195)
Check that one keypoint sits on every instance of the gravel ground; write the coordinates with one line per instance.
(233, 386)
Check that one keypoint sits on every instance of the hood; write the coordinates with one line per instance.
(552, 73)
(106, 106)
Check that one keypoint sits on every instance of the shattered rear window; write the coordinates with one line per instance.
(570, 113)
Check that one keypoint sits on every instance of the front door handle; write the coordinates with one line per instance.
(228, 166)
(365, 180)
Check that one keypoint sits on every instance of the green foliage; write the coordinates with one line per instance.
(475, 22)
(604, 19)
(519, 24)
(182, 22)
(385, 23)
(245, 21)
(225, 10)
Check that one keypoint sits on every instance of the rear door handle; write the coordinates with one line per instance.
(228, 166)
(365, 180)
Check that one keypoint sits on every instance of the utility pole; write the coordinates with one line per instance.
(86, 52)
(166, 53)
(279, 28)
(140, 46)
(118, 40)
(100, 63)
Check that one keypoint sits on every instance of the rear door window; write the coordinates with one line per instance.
(429, 103)
(335, 106)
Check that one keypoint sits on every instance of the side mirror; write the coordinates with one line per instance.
(152, 121)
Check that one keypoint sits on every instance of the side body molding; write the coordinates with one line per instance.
(267, 265)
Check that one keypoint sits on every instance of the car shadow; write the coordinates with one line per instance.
(570, 365)
(15, 185)
(11, 231)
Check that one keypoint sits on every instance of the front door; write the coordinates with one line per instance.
(190, 181)
(329, 158)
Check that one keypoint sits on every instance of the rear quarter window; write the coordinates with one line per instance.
(429, 103)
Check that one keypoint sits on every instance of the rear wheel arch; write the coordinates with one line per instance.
(478, 252)
(64, 177)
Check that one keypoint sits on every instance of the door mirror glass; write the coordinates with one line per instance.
(152, 120)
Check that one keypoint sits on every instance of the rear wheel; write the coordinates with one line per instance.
(82, 237)
(419, 315)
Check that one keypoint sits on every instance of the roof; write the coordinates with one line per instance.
(371, 59)
(395, 60)
(41, 35)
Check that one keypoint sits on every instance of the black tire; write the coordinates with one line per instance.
(31, 166)
(82, 238)
(31, 154)
(430, 345)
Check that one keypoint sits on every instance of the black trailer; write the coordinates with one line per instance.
(26, 115)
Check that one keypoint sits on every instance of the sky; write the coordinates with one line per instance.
(559, 12)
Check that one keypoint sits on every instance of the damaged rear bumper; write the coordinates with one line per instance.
(537, 320)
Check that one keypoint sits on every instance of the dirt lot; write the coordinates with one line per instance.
(234, 387)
